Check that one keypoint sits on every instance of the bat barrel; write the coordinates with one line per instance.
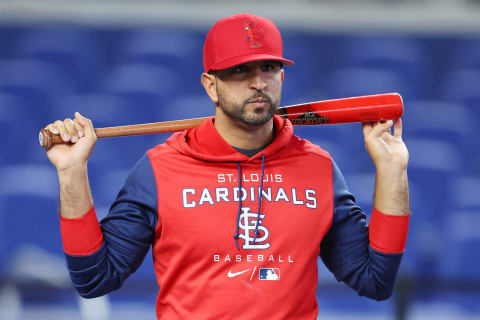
(379, 107)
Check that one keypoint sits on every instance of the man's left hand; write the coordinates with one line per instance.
(386, 149)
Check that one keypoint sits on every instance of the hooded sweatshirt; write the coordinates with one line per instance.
(232, 236)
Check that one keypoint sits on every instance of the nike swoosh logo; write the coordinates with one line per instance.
(234, 274)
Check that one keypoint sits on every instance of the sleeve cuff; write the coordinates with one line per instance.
(388, 233)
(81, 236)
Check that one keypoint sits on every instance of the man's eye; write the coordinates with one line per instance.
(268, 67)
(240, 69)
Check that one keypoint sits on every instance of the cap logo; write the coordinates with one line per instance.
(253, 36)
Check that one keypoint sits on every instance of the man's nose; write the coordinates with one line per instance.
(258, 80)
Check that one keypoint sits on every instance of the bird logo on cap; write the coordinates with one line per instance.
(253, 36)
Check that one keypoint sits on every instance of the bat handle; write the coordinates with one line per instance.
(48, 139)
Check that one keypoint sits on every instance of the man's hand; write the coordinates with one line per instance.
(71, 159)
(390, 156)
(385, 149)
(79, 137)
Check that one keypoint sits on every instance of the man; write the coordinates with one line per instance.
(238, 209)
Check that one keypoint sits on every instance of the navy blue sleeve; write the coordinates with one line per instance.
(346, 252)
(128, 232)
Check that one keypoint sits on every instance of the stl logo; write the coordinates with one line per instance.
(248, 222)
(253, 36)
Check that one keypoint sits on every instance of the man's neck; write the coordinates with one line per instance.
(242, 136)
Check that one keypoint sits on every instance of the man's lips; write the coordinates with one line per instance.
(259, 102)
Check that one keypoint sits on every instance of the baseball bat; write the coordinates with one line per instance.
(370, 108)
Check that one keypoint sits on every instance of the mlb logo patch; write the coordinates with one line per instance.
(269, 274)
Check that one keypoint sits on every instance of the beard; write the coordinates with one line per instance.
(237, 111)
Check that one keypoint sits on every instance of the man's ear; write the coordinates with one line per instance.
(283, 75)
(210, 85)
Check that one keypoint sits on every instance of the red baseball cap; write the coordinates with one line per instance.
(242, 38)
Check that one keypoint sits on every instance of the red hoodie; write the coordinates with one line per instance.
(223, 252)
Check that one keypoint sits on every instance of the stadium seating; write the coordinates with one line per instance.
(432, 166)
(461, 86)
(178, 50)
(38, 84)
(75, 50)
(405, 56)
(302, 80)
(461, 245)
(439, 120)
(152, 88)
(186, 107)
(28, 204)
(465, 53)
(350, 82)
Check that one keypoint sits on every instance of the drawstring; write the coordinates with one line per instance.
(260, 197)
(239, 205)
(259, 219)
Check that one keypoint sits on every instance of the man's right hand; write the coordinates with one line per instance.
(79, 137)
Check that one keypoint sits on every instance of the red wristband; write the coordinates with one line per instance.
(81, 236)
(388, 233)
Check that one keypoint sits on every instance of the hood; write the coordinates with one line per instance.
(205, 143)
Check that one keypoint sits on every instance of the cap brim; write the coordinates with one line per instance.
(248, 58)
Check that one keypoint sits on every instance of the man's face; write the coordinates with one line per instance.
(250, 92)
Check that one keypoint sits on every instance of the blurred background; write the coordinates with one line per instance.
(122, 62)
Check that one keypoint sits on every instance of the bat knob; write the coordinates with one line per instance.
(45, 139)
